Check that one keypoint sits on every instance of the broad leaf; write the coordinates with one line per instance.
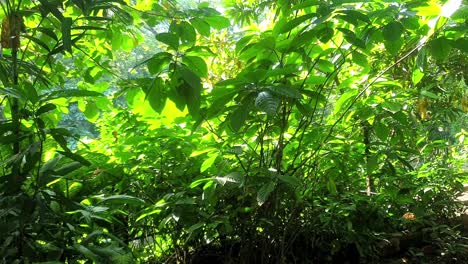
(217, 22)
(197, 65)
(392, 31)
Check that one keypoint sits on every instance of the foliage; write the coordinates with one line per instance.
(279, 131)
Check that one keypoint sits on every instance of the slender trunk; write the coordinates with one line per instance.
(14, 103)
(369, 178)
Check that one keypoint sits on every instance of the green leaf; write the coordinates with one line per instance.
(122, 199)
(187, 35)
(331, 186)
(416, 76)
(67, 168)
(66, 34)
(285, 91)
(461, 13)
(429, 94)
(208, 162)
(51, 7)
(218, 22)
(91, 111)
(392, 31)
(45, 108)
(201, 151)
(199, 182)
(267, 103)
(344, 99)
(392, 107)
(238, 117)
(291, 180)
(326, 34)
(356, 15)
(314, 80)
(243, 42)
(32, 157)
(325, 66)
(264, 192)
(169, 39)
(117, 39)
(195, 227)
(15, 93)
(393, 47)
(317, 98)
(155, 94)
(197, 65)
(37, 41)
(202, 51)
(75, 157)
(288, 26)
(360, 59)
(440, 48)
(381, 131)
(68, 93)
(201, 26)
(159, 62)
(192, 91)
(49, 165)
(461, 44)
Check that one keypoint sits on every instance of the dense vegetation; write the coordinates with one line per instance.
(290, 131)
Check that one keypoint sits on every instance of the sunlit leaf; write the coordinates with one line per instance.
(201, 26)
(207, 163)
(288, 26)
(217, 22)
(344, 100)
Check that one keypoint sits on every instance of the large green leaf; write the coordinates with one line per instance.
(155, 94)
(187, 34)
(218, 22)
(440, 48)
(159, 62)
(201, 26)
(121, 199)
(381, 130)
(207, 163)
(170, 39)
(285, 91)
(197, 65)
(238, 117)
(392, 31)
(191, 90)
(288, 26)
(344, 100)
(67, 168)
